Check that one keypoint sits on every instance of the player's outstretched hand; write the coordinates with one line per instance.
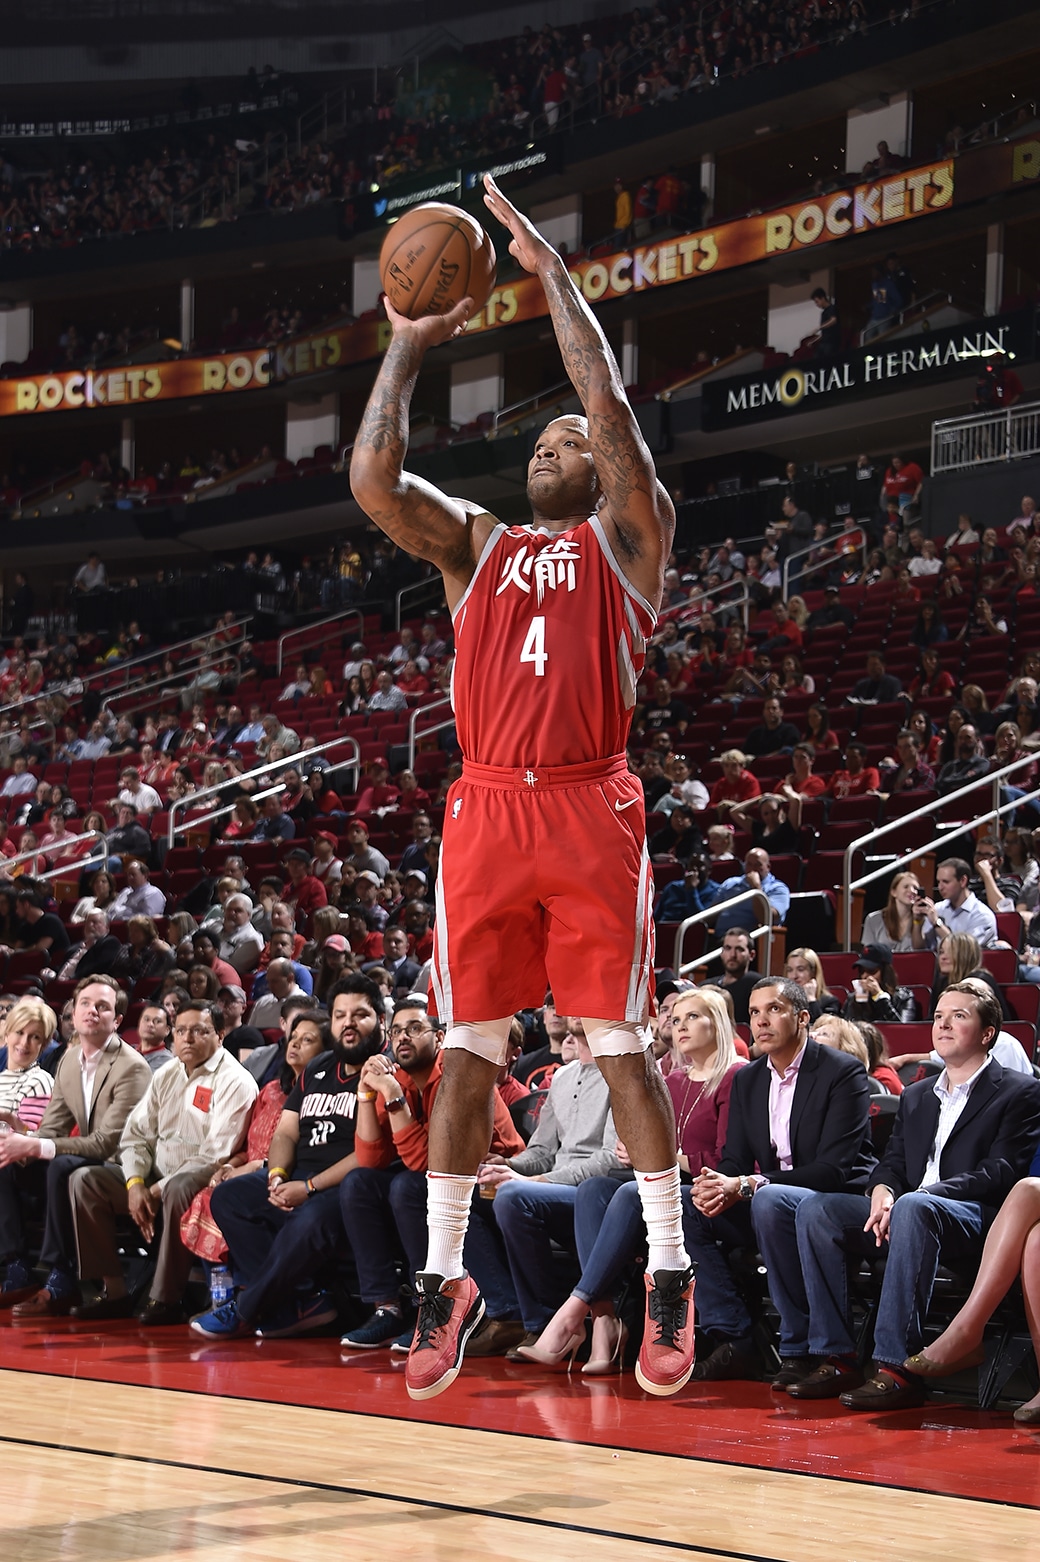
(527, 245)
(431, 330)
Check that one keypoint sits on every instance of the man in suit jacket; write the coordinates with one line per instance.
(99, 1081)
(798, 1122)
(959, 1144)
(404, 972)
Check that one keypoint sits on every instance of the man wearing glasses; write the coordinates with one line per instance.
(384, 1200)
(190, 1119)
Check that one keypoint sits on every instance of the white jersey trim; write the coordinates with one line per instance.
(608, 553)
(485, 553)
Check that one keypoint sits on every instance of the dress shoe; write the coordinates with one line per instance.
(495, 1337)
(828, 1381)
(44, 1304)
(609, 1337)
(1027, 1415)
(793, 1369)
(160, 1315)
(530, 1338)
(923, 1366)
(9, 1299)
(884, 1392)
(105, 1307)
(731, 1359)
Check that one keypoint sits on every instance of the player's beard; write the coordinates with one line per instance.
(360, 1052)
(552, 497)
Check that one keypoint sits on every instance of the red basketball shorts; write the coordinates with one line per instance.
(544, 881)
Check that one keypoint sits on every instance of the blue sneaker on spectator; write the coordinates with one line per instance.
(223, 1323)
(404, 1342)
(299, 1317)
(383, 1326)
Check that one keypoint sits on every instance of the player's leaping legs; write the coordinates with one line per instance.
(450, 1306)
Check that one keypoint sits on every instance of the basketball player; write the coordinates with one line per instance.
(544, 874)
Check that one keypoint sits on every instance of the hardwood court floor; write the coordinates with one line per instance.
(122, 1447)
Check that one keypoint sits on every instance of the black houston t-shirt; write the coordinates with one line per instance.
(326, 1101)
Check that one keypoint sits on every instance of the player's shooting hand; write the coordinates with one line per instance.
(527, 245)
(430, 330)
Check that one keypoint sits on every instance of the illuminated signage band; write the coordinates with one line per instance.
(800, 387)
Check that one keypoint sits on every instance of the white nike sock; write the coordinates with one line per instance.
(662, 1211)
(447, 1216)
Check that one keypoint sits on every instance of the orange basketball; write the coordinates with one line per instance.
(433, 257)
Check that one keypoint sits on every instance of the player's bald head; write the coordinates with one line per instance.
(569, 420)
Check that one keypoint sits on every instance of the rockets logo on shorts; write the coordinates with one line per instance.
(553, 567)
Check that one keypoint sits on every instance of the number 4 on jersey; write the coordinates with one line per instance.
(534, 647)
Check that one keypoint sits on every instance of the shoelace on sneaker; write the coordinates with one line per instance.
(668, 1308)
(434, 1313)
(227, 1312)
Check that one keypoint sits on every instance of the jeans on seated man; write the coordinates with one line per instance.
(383, 1201)
(190, 1119)
(98, 1081)
(800, 1115)
(283, 1226)
(511, 1246)
(959, 1143)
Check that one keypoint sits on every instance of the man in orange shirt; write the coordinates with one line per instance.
(383, 1201)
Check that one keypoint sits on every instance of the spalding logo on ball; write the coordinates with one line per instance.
(432, 258)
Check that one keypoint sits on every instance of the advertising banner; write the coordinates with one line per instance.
(888, 366)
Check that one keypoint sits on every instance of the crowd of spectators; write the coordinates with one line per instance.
(282, 950)
(536, 83)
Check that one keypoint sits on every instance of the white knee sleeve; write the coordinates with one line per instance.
(614, 1038)
(489, 1039)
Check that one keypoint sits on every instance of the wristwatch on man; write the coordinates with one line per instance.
(747, 1188)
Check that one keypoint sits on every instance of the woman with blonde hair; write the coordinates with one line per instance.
(25, 1089)
(892, 927)
(843, 1035)
(805, 967)
(607, 1215)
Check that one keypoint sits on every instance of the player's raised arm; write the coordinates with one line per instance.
(415, 514)
(638, 505)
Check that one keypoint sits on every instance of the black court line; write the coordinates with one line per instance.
(403, 1501)
(541, 1437)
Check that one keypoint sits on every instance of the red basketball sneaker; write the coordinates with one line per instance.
(667, 1353)
(449, 1311)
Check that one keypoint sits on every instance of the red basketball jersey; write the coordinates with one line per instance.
(550, 640)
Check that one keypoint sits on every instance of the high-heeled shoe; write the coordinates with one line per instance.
(925, 1366)
(552, 1358)
(599, 1366)
(1027, 1415)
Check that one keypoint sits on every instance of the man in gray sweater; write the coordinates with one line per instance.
(533, 1192)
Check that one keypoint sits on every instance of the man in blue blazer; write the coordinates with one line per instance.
(798, 1121)
(960, 1142)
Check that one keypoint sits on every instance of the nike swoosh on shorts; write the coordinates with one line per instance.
(620, 807)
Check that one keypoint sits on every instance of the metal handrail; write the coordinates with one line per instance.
(317, 623)
(87, 835)
(529, 404)
(77, 866)
(124, 667)
(697, 596)
(824, 564)
(710, 913)
(287, 762)
(414, 735)
(982, 438)
(905, 316)
(219, 813)
(996, 812)
(415, 586)
(164, 685)
(713, 954)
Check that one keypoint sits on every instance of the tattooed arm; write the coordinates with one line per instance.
(415, 514)
(638, 515)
